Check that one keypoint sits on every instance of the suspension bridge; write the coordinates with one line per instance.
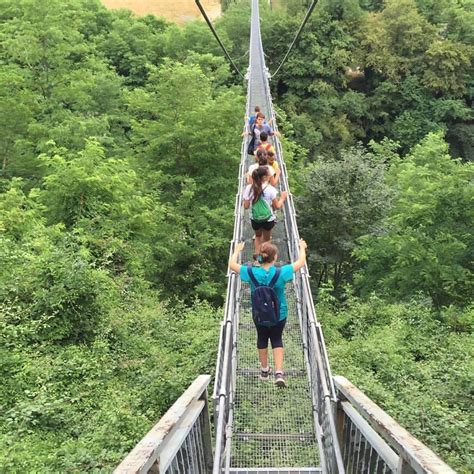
(319, 423)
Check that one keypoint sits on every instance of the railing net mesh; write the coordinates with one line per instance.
(259, 425)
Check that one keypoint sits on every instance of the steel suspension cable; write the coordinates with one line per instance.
(214, 32)
(305, 19)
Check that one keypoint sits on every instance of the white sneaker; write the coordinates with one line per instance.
(280, 379)
(265, 374)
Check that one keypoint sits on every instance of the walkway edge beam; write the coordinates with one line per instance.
(159, 442)
(412, 452)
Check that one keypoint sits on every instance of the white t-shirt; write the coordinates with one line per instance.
(252, 168)
(269, 194)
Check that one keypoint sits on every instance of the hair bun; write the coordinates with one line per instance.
(268, 252)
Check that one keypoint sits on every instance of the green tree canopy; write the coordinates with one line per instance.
(342, 200)
(427, 246)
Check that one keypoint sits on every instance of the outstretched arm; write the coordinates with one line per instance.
(302, 258)
(278, 203)
(233, 265)
(276, 177)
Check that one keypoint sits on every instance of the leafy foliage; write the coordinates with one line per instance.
(112, 138)
(399, 71)
(187, 155)
(343, 200)
(428, 243)
(412, 361)
(122, 382)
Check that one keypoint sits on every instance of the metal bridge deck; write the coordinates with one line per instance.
(272, 426)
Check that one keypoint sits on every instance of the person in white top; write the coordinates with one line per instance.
(262, 161)
(260, 187)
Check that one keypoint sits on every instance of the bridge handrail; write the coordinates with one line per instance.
(294, 252)
(368, 424)
(224, 383)
(323, 390)
(324, 398)
(185, 426)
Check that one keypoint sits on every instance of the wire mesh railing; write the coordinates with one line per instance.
(374, 442)
(230, 381)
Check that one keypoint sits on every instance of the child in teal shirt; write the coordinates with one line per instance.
(264, 274)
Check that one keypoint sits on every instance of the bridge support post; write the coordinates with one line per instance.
(404, 468)
(206, 434)
(340, 423)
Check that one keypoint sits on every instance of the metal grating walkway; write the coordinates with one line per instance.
(271, 426)
(259, 427)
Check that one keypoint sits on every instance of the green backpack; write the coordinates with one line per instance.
(261, 211)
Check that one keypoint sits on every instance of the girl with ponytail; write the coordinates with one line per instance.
(262, 161)
(260, 195)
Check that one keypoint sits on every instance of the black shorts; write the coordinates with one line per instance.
(262, 225)
(274, 333)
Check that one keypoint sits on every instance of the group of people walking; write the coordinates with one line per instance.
(267, 281)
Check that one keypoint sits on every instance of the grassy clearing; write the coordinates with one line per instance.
(179, 11)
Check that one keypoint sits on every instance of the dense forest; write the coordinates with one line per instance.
(116, 132)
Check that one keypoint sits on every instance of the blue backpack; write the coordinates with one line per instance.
(265, 304)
